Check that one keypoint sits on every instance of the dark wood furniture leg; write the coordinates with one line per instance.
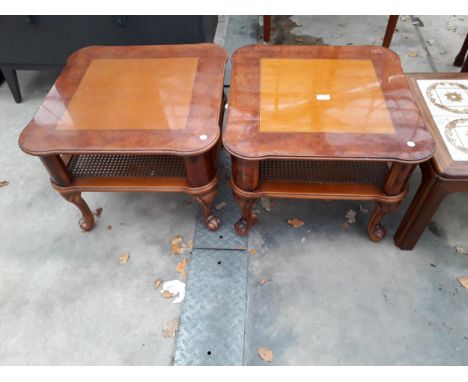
(246, 176)
(200, 170)
(430, 194)
(206, 200)
(12, 80)
(460, 59)
(242, 226)
(60, 176)
(391, 25)
(396, 183)
(266, 28)
(465, 66)
(87, 219)
(376, 230)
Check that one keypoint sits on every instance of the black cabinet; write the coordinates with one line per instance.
(37, 42)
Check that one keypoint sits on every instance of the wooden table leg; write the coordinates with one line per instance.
(200, 170)
(430, 194)
(391, 25)
(59, 175)
(460, 59)
(396, 183)
(242, 226)
(245, 174)
(206, 200)
(465, 66)
(266, 28)
(375, 229)
(87, 219)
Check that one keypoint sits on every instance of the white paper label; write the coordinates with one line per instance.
(323, 97)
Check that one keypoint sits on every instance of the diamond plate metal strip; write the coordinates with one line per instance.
(225, 237)
(213, 317)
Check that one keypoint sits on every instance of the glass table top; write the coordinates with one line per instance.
(323, 102)
(149, 99)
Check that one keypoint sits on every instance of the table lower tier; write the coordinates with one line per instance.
(73, 174)
(383, 183)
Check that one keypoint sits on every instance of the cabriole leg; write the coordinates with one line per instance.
(87, 219)
(375, 229)
(206, 200)
(245, 175)
(201, 170)
(396, 183)
(243, 225)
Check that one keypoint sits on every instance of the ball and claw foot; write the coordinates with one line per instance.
(87, 219)
(212, 223)
(86, 225)
(242, 227)
(378, 233)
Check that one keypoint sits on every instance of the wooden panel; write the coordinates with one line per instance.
(339, 96)
(116, 94)
(136, 184)
(325, 191)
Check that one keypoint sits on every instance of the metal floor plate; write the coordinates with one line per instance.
(212, 324)
(225, 237)
(213, 317)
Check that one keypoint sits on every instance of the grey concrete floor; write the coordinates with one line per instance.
(64, 297)
(441, 36)
(334, 297)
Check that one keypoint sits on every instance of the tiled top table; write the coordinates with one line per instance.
(133, 118)
(322, 122)
(443, 99)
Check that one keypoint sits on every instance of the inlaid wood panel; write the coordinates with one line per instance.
(120, 94)
(322, 95)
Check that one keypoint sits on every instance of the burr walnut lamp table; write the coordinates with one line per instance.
(443, 99)
(322, 122)
(135, 118)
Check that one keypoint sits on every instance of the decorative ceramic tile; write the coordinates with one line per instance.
(447, 101)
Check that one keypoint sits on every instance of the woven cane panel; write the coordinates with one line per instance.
(320, 171)
(126, 165)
